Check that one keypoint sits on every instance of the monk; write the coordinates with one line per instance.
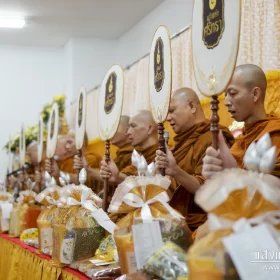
(64, 159)
(123, 156)
(32, 154)
(142, 133)
(245, 97)
(184, 162)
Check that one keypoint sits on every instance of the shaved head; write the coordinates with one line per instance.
(143, 129)
(146, 117)
(32, 152)
(245, 94)
(120, 138)
(186, 94)
(185, 110)
(124, 120)
(252, 76)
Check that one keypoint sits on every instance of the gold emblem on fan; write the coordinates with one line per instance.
(212, 4)
(80, 116)
(158, 65)
(110, 94)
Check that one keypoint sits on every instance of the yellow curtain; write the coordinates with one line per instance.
(17, 263)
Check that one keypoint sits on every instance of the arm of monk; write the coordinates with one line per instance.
(91, 163)
(168, 162)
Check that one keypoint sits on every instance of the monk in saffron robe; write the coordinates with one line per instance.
(184, 162)
(65, 152)
(142, 133)
(245, 97)
(123, 156)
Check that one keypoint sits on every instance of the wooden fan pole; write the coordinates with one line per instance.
(79, 153)
(161, 143)
(214, 125)
(106, 183)
(40, 170)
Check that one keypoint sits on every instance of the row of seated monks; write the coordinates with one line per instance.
(192, 160)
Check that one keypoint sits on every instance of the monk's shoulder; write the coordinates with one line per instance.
(203, 142)
(93, 158)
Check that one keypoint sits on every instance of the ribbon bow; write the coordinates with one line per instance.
(216, 223)
(97, 213)
(135, 201)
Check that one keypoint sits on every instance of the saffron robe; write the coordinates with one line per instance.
(189, 151)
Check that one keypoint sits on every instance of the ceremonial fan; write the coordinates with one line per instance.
(160, 80)
(215, 42)
(40, 144)
(80, 126)
(52, 131)
(109, 112)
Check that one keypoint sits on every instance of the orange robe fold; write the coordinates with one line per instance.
(149, 154)
(93, 160)
(254, 132)
(123, 157)
(189, 152)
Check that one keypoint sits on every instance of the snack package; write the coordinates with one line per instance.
(140, 200)
(111, 271)
(169, 262)
(228, 197)
(76, 234)
(107, 250)
(30, 237)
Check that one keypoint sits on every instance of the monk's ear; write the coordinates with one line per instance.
(150, 129)
(192, 105)
(256, 94)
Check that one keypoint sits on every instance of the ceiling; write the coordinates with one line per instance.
(54, 22)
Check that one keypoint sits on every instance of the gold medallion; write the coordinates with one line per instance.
(159, 65)
(80, 113)
(52, 124)
(110, 93)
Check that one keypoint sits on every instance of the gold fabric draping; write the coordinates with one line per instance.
(17, 263)
(259, 44)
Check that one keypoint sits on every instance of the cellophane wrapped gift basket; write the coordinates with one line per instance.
(79, 224)
(25, 213)
(236, 200)
(144, 199)
(49, 199)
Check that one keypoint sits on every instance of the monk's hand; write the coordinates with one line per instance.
(38, 177)
(52, 168)
(217, 160)
(80, 162)
(166, 161)
(109, 171)
(48, 166)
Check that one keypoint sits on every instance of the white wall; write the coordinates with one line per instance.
(29, 78)
(175, 14)
(91, 58)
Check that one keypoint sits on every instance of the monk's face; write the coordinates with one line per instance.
(138, 132)
(180, 115)
(65, 147)
(239, 98)
(120, 136)
(32, 153)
